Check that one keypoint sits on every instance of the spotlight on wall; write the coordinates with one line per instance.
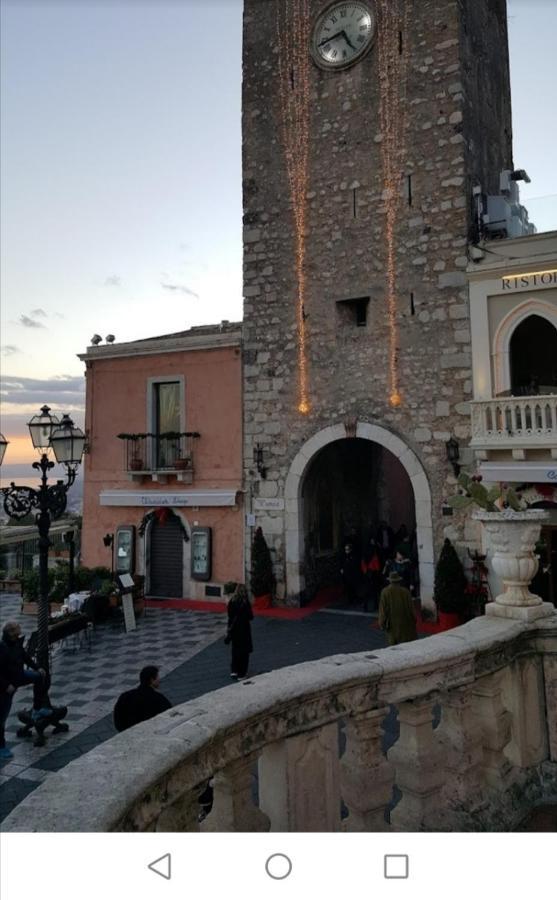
(453, 454)
(96, 339)
(258, 459)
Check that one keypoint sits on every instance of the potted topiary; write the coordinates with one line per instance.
(261, 572)
(449, 591)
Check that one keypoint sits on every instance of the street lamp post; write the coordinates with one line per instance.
(68, 538)
(67, 444)
(108, 541)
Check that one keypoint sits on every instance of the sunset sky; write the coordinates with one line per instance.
(121, 177)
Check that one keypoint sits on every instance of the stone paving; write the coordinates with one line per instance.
(188, 648)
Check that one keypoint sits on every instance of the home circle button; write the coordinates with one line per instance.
(278, 866)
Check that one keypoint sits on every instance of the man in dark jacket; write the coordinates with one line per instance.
(141, 703)
(16, 669)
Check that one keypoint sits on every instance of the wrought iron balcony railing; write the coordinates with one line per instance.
(166, 452)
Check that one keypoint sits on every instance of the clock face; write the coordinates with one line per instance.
(343, 34)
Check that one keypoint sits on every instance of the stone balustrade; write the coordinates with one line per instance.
(304, 749)
(515, 423)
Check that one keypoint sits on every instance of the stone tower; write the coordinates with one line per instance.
(366, 126)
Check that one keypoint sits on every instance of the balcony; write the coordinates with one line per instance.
(455, 732)
(520, 427)
(159, 456)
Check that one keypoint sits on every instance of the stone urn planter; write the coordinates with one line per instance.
(512, 536)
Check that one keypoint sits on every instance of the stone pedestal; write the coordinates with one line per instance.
(233, 807)
(495, 723)
(461, 739)
(366, 776)
(523, 694)
(419, 771)
(520, 613)
(299, 782)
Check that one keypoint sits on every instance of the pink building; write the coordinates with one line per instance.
(164, 468)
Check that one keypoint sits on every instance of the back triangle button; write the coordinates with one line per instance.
(161, 866)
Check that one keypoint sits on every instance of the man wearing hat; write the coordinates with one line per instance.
(397, 615)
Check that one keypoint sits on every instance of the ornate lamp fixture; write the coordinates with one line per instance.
(453, 454)
(67, 443)
(258, 459)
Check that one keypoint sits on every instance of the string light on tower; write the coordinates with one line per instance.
(392, 114)
(294, 70)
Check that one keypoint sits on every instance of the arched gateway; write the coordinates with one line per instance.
(294, 512)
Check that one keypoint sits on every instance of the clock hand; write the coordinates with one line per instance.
(337, 35)
(333, 38)
(347, 39)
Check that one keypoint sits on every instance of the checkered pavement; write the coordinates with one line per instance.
(89, 676)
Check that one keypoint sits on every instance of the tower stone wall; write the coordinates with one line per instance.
(457, 133)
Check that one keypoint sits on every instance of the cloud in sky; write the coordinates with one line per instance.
(38, 312)
(179, 287)
(9, 349)
(28, 322)
(67, 391)
(113, 281)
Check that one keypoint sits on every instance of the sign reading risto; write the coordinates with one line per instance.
(529, 280)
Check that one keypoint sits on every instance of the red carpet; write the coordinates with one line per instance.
(323, 598)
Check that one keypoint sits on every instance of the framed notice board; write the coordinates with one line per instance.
(201, 553)
(125, 549)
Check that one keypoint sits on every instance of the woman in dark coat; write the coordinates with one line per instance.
(239, 631)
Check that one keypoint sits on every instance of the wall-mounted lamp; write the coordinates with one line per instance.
(108, 541)
(258, 459)
(453, 455)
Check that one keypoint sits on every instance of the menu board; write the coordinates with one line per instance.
(201, 553)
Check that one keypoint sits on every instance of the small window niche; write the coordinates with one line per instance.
(353, 312)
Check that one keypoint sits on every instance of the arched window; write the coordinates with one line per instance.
(533, 357)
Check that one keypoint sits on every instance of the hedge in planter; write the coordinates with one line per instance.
(261, 566)
(450, 584)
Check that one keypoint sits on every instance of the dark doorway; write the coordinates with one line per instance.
(350, 487)
(533, 357)
(166, 558)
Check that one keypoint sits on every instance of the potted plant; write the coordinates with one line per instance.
(261, 571)
(136, 462)
(449, 591)
(512, 531)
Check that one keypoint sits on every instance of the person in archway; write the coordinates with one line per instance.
(397, 614)
(385, 539)
(238, 632)
(372, 568)
(351, 574)
(402, 540)
(402, 565)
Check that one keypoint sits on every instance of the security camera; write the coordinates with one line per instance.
(96, 339)
(110, 339)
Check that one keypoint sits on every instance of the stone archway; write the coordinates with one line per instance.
(505, 331)
(294, 533)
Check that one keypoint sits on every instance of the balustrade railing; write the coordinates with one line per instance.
(165, 452)
(474, 747)
(515, 422)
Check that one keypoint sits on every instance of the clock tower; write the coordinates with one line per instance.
(366, 126)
